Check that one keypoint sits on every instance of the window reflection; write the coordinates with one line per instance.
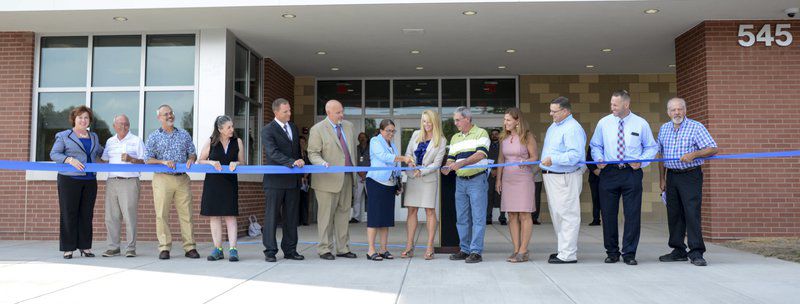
(348, 92)
(411, 97)
(53, 117)
(117, 61)
(63, 62)
(170, 60)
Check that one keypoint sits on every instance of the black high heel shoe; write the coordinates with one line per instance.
(86, 254)
(67, 255)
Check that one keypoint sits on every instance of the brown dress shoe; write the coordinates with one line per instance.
(163, 255)
(192, 254)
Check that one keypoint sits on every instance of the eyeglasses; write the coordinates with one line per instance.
(554, 112)
(390, 131)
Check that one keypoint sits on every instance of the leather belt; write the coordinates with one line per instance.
(471, 176)
(680, 171)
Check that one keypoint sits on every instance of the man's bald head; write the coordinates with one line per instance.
(335, 111)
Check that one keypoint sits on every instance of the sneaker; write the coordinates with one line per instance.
(111, 252)
(670, 257)
(234, 255)
(130, 253)
(474, 258)
(459, 256)
(216, 254)
(699, 261)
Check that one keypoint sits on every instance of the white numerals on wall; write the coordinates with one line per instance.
(748, 38)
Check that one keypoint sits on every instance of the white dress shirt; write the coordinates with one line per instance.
(131, 144)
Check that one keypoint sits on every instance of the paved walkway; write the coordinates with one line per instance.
(34, 272)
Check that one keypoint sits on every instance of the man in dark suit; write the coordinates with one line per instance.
(282, 191)
(594, 184)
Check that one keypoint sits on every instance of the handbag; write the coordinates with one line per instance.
(254, 229)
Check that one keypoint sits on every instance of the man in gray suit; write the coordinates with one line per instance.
(332, 142)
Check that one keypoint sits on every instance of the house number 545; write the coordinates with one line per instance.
(782, 36)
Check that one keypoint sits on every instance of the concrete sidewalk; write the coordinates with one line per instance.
(34, 272)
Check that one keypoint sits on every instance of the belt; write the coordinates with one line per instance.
(120, 177)
(173, 174)
(553, 172)
(679, 171)
(471, 176)
(619, 166)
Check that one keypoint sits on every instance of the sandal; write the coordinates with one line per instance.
(374, 257)
(407, 254)
(387, 255)
(511, 257)
(429, 255)
(525, 257)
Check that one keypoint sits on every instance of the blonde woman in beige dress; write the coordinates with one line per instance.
(517, 144)
(426, 147)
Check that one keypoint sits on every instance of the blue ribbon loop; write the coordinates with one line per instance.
(198, 168)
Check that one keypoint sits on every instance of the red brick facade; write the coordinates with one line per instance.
(749, 99)
(29, 209)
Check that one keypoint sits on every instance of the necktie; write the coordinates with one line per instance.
(286, 128)
(621, 141)
(347, 161)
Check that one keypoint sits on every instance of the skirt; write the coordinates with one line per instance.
(380, 204)
(422, 194)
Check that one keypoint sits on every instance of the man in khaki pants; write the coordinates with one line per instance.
(122, 188)
(170, 146)
(331, 142)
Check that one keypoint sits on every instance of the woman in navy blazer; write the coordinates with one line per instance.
(382, 186)
(77, 190)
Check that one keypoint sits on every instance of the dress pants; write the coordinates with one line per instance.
(122, 202)
(595, 187)
(537, 195)
(684, 197)
(359, 198)
(471, 212)
(169, 189)
(618, 182)
(288, 200)
(333, 217)
(76, 199)
(563, 197)
(302, 214)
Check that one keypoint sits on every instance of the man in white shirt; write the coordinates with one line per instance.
(122, 188)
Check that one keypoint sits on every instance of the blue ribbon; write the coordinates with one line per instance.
(198, 168)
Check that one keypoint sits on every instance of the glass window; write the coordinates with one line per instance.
(107, 105)
(240, 69)
(117, 61)
(454, 95)
(255, 76)
(239, 117)
(53, 117)
(348, 92)
(182, 103)
(253, 155)
(411, 97)
(63, 62)
(376, 97)
(372, 126)
(170, 60)
(492, 96)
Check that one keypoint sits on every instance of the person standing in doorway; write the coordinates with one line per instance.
(360, 192)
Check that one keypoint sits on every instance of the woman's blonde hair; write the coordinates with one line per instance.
(432, 117)
(521, 130)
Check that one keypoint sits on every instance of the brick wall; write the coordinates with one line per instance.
(752, 105)
(29, 209)
(590, 96)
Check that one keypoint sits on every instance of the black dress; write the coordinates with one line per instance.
(221, 191)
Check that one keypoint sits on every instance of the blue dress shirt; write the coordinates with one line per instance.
(381, 154)
(564, 143)
(639, 141)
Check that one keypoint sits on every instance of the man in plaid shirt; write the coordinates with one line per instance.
(682, 180)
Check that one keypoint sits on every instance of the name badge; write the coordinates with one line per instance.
(634, 134)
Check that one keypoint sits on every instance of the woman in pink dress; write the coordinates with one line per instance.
(517, 144)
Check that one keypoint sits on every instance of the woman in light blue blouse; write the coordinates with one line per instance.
(382, 186)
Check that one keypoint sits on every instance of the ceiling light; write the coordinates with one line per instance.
(417, 90)
(322, 53)
(470, 13)
(651, 11)
(501, 67)
(511, 51)
(415, 51)
(334, 69)
(671, 65)
(120, 19)
(420, 68)
(288, 16)
(607, 50)
(589, 66)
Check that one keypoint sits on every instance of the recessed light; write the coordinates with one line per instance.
(607, 50)
(322, 52)
(651, 11)
(334, 69)
(288, 16)
(120, 19)
(420, 68)
(671, 65)
(589, 66)
(415, 51)
(470, 13)
(511, 51)
(417, 90)
(501, 67)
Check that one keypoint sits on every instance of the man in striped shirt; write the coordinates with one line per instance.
(468, 147)
(682, 180)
